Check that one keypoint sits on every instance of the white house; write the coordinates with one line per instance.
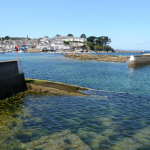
(57, 43)
(69, 38)
(76, 44)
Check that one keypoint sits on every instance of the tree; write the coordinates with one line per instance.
(91, 39)
(69, 35)
(83, 36)
(97, 47)
(84, 47)
(105, 40)
(102, 40)
(99, 41)
(67, 42)
(90, 45)
(7, 37)
(58, 35)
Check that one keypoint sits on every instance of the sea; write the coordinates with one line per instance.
(113, 115)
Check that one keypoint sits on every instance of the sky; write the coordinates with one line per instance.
(125, 22)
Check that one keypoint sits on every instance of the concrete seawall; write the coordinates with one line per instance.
(56, 88)
(11, 78)
(139, 60)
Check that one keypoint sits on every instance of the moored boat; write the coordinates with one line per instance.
(8, 51)
(20, 51)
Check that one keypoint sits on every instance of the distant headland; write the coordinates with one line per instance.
(128, 51)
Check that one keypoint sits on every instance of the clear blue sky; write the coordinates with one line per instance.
(126, 22)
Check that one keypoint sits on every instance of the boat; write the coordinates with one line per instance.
(8, 51)
(20, 51)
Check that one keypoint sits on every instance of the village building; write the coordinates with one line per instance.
(55, 43)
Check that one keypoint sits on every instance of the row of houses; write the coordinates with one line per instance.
(10, 44)
(55, 43)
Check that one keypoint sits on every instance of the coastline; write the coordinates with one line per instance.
(125, 51)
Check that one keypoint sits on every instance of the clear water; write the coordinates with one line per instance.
(114, 116)
(108, 76)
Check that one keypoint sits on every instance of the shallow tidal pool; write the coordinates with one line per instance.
(99, 121)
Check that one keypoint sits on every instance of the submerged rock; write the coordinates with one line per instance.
(143, 136)
(109, 132)
(107, 121)
(126, 144)
(95, 138)
(59, 141)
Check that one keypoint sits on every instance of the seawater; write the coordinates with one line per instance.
(113, 116)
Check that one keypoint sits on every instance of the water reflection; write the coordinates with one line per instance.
(131, 70)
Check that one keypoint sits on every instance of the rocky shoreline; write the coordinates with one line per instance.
(103, 58)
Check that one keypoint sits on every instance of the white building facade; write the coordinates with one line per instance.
(57, 43)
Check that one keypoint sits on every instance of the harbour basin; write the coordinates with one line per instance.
(115, 115)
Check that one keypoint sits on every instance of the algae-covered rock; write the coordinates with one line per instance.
(75, 121)
(107, 121)
(95, 138)
(59, 141)
(37, 142)
(11, 127)
(143, 136)
(126, 144)
(82, 133)
(60, 134)
(109, 132)
(103, 58)
(76, 142)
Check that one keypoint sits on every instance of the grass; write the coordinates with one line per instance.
(34, 80)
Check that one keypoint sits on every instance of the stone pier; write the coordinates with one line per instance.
(11, 78)
(139, 60)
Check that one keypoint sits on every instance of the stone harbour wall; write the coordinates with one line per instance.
(139, 60)
(11, 78)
